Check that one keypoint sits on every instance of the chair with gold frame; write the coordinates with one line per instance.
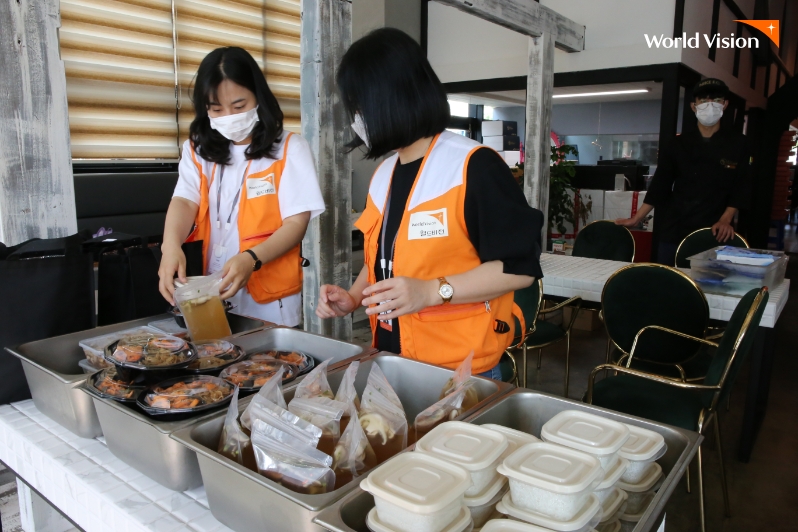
(604, 239)
(700, 241)
(692, 406)
(640, 295)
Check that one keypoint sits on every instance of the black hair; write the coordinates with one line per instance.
(237, 65)
(386, 78)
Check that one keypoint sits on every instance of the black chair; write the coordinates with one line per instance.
(700, 241)
(604, 239)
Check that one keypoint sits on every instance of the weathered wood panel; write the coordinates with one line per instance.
(527, 17)
(38, 196)
(537, 149)
(326, 35)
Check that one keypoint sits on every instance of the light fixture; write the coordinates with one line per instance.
(607, 93)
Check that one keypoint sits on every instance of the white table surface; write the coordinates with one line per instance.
(86, 482)
(566, 276)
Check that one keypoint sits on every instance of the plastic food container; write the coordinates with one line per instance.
(88, 369)
(483, 505)
(250, 375)
(586, 517)
(611, 477)
(715, 275)
(613, 505)
(417, 492)
(106, 384)
(302, 361)
(214, 355)
(515, 438)
(474, 448)
(463, 523)
(169, 326)
(511, 525)
(150, 350)
(551, 480)
(589, 433)
(630, 518)
(185, 395)
(609, 526)
(639, 493)
(643, 447)
(94, 348)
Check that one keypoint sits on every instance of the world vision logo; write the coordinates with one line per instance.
(428, 224)
(270, 179)
(769, 27)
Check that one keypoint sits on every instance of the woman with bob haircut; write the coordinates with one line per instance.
(448, 233)
(246, 188)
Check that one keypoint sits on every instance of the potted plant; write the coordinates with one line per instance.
(566, 204)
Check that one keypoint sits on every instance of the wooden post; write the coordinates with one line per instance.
(326, 35)
(537, 143)
(38, 194)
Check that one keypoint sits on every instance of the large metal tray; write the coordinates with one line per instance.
(144, 442)
(244, 500)
(53, 372)
(527, 411)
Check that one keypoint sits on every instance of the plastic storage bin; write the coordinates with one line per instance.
(613, 505)
(417, 492)
(589, 433)
(583, 521)
(94, 348)
(462, 524)
(474, 448)
(723, 277)
(515, 438)
(643, 447)
(611, 477)
(639, 493)
(551, 480)
(483, 505)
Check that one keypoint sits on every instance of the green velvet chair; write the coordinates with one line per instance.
(603, 239)
(508, 368)
(702, 240)
(541, 333)
(639, 295)
(692, 406)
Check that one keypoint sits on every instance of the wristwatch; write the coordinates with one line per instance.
(258, 263)
(446, 291)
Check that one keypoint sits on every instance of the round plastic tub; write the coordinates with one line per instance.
(586, 432)
(640, 494)
(583, 521)
(302, 361)
(417, 492)
(551, 480)
(613, 505)
(611, 477)
(483, 505)
(515, 438)
(461, 524)
(476, 449)
(511, 525)
(643, 447)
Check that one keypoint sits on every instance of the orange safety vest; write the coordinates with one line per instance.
(433, 242)
(258, 218)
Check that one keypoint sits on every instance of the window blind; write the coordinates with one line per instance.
(120, 66)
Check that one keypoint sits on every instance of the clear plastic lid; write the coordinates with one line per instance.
(650, 478)
(588, 515)
(150, 351)
(214, 354)
(515, 438)
(99, 343)
(642, 445)
(614, 473)
(251, 375)
(302, 361)
(107, 384)
(585, 432)
(169, 326)
(470, 446)
(488, 493)
(511, 525)
(461, 524)
(612, 504)
(186, 394)
(553, 468)
(418, 482)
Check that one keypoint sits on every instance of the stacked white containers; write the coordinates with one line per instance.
(643, 476)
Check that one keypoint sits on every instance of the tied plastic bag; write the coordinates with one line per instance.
(323, 413)
(202, 308)
(286, 421)
(447, 409)
(290, 461)
(315, 383)
(234, 443)
(382, 417)
(461, 376)
(271, 391)
(353, 455)
(347, 394)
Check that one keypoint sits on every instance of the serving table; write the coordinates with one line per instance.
(567, 277)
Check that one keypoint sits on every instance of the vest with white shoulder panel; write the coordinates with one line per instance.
(433, 242)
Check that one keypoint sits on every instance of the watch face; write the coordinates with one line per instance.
(446, 291)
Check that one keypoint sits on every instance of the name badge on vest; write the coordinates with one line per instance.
(428, 224)
(260, 186)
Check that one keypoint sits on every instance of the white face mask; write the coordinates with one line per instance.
(709, 113)
(236, 127)
(359, 127)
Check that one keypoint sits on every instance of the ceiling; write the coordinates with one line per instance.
(518, 97)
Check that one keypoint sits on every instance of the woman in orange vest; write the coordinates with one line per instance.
(448, 235)
(246, 188)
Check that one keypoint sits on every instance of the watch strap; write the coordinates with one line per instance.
(257, 264)
(443, 281)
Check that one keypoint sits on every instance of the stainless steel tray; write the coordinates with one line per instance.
(53, 374)
(527, 411)
(143, 442)
(244, 500)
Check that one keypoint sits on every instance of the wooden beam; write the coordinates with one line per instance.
(537, 146)
(326, 35)
(38, 194)
(526, 17)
